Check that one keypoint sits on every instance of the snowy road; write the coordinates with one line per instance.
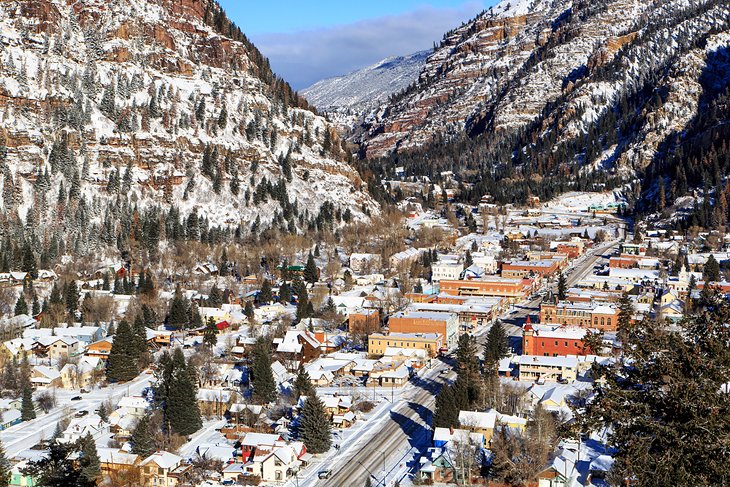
(24, 435)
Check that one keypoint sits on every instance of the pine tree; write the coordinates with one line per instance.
(29, 264)
(711, 271)
(495, 348)
(181, 409)
(264, 385)
(103, 412)
(248, 311)
(210, 334)
(5, 468)
(72, 297)
(303, 384)
(314, 426)
(468, 259)
(21, 308)
(562, 287)
(123, 357)
(89, 460)
(178, 315)
(311, 273)
(215, 299)
(59, 468)
(284, 293)
(27, 408)
(265, 292)
(142, 440)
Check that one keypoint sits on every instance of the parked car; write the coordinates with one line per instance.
(324, 474)
(76, 398)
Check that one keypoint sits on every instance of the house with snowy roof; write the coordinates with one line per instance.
(78, 428)
(163, 469)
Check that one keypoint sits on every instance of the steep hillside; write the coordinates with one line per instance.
(366, 86)
(542, 96)
(147, 119)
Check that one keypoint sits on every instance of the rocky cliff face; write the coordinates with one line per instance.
(555, 68)
(159, 103)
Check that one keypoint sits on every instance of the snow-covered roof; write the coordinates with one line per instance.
(163, 459)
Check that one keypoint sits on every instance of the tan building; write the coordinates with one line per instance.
(162, 469)
(511, 289)
(536, 368)
(431, 342)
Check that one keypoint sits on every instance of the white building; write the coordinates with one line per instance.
(449, 270)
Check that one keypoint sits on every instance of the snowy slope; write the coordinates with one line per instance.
(91, 90)
(372, 84)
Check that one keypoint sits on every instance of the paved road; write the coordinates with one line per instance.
(408, 427)
(409, 423)
(24, 435)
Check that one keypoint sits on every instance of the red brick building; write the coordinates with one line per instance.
(553, 340)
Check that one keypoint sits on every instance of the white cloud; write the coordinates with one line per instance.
(303, 58)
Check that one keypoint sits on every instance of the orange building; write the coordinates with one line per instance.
(588, 315)
(512, 289)
(445, 324)
(520, 269)
(365, 321)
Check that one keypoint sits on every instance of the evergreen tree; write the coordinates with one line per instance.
(181, 408)
(711, 271)
(303, 384)
(314, 426)
(562, 287)
(467, 360)
(72, 297)
(665, 403)
(446, 414)
(29, 264)
(142, 440)
(265, 292)
(210, 334)
(5, 468)
(89, 460)
(27, 408)
(248, 311)
(122, 363)
(311, 273)
(60, 468)
(103, 412)
(284, 293)
(178, 314)
(264, 385)
(215, 298)
(495, 348)
(468, 260)
(21, 308)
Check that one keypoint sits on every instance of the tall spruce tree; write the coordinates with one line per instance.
(27, 408)
(265, 292)
(711, 270)
(5, 468)
(264, 385)
(89, 462)
(562, 287)
(21, 307)
(179, 311)
(314, 426)
(496, 347)
(210, 334)
(181, 406)
(122, 364)
(311, 273)
(303, 383)
(142, 440)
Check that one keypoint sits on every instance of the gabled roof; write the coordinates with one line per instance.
(163, 459)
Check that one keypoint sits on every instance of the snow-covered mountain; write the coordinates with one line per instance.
(161, 108)
(366, 86)
(555, 68)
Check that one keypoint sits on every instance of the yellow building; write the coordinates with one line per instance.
(431, 342)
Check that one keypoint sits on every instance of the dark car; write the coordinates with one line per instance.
(76, 398)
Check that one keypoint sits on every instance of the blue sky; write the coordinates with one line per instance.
(310, 40)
